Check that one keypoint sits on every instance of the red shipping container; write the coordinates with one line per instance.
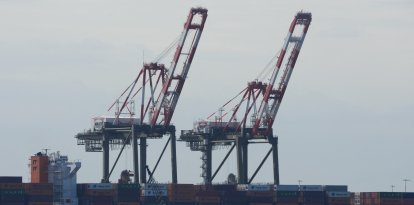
(11, 185)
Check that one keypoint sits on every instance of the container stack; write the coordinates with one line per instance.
(38, 193)
(287, 194)
(338, 198)
(128, 194)
(408, 198)
(206, 195)
(181, 194)
(11, 191)
(338, 195)
(381, 198)
(229, 194)
(259, 194)
(96, 194)
(312, 195)
(154, 193)
(287, 197)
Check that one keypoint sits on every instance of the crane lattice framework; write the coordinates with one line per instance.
(157, 88)
(256, 106)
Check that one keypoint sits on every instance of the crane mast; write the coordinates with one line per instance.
(167, 82)
(267, 111)
(171, 90)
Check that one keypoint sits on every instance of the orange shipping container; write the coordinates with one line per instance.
(181, 192)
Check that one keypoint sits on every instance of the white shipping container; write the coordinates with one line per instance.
(286, 187)
(155, 186)
(311, 188)
(259, 187)
(100, 186)
(335, 194)
(242, 187)
(150, 192)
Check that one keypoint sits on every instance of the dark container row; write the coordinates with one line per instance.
(5, 179)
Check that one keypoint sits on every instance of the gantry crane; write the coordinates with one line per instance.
(257, 106)
(158, 89)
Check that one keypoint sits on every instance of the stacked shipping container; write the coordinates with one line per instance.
(96, 194)
(337, 195)
(386, 198)
(38, 193)
(338, 198)
(258, 194)
(181, 194)
(206, 195)
(14, 192)
(229, 194)
(408, 199)
(154, 194)
(127, 194)
(11, 191)
(287, 197)
(312, 195)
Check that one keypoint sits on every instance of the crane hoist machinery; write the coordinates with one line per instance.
(252, 112)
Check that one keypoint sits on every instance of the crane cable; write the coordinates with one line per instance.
(167, 50)
(268, 68)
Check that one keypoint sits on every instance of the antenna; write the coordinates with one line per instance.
(405, 184)
(45, 149)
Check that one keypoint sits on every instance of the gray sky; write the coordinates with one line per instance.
(347, 116)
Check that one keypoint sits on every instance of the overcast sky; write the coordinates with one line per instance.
(347, 116)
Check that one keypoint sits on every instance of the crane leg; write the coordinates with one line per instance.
(275, 161)
(105, 162)
(245, 160)
(143, 159)
(135, 155)
(240, 173)
(173, 158)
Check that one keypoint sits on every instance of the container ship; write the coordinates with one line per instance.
(53, 182)
(53, 176)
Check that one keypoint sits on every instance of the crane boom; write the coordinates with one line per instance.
(171, 90)
(268, 110)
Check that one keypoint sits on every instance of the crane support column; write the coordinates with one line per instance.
(143, 158)
(173, 157)
(245, 159)
(206, 161)
(240, 170)
(135, 154)
(105, 153)
(275, 161)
